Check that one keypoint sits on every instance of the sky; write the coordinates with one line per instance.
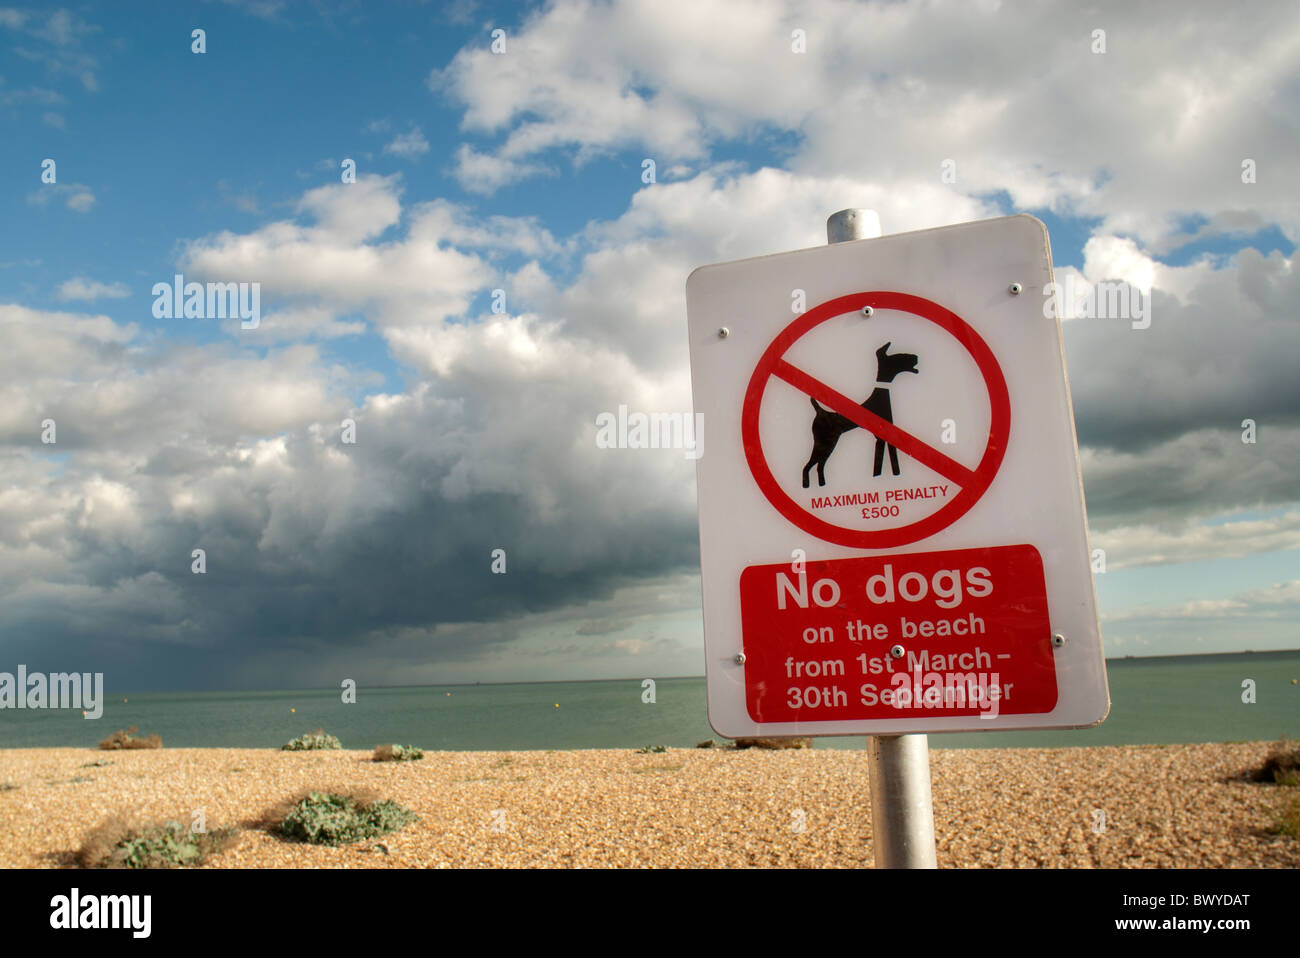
(1162, 151)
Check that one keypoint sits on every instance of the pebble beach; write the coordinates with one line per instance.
(1108, 807)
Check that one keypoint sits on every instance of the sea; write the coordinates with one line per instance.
(1154, 701)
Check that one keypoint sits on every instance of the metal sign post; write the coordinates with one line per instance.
(902, 814)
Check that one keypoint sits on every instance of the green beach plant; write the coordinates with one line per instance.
(118, 843)
(311, 741)
(651, 749)
(328, 818)
(1286, 818)
(398, 753)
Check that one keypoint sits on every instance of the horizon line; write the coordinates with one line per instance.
(452, 685)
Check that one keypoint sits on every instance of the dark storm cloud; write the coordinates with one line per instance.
(313, 545)
(1160, 411)
(1228, 355)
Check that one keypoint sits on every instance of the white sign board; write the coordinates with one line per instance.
(892, 529)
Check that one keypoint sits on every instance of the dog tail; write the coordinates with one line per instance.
(815, 404)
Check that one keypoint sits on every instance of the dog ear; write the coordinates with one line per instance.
(884, 349)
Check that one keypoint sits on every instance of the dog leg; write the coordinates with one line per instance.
(880, 458)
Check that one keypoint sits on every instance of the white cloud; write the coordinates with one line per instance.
(89, 290)
(1146, 544)
(1259, 619)
(81, 200)
(653, 80)
(629, 295)
(59, 42)
(76, 196)
(484, 173)
(341, 261)
(60, 28)
(350, 212)
(408, 145)
(460, 11)
(296, 324)
(140, 394)
(1281, 599)
(34, 94)
(445, 222)
(262, 9)
(887, 92)
(1114, 257)
(245, 202)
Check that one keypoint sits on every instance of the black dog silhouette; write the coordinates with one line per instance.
(828, 426)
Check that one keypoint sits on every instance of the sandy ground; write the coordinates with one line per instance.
(1164, 806)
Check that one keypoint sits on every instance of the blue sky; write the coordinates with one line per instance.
(522, 171)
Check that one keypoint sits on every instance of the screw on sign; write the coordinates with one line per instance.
(836, 413)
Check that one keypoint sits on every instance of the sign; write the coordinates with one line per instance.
(892, 527)
(973, 626)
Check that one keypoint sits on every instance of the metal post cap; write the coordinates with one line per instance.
(852, 224)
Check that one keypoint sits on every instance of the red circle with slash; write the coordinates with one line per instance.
(973, 482)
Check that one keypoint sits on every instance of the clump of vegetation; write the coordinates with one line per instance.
(1281, 764)
(118, 843)
(128, 739)
(649, 749)
(398, 753)
(9, 787)
(1286, 820)
(326, 818)
(774, 742)
(310, 741)
(98, 763)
